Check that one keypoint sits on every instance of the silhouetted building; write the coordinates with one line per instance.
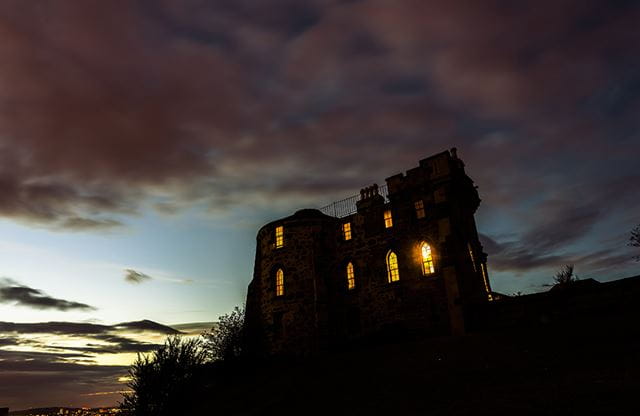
(4, 411)
(404, 257)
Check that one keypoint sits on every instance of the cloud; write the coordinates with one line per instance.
(82, 224)
(8, 341)
(276, 104)
(195, 328)
(135, 277)
(26, 379)
(84, 329)
(147, 325)
(13, 292)
(69, 356)
(34, 356)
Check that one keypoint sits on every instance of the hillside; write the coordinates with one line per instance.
(586, 364)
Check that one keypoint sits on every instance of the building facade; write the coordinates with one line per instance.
(407, 258)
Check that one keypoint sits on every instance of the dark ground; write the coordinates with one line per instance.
(575, 367)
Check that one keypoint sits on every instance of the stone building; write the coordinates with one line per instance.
(401, 257)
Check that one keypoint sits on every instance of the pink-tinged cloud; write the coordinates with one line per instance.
(107, 108)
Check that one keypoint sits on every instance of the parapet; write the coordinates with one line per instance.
(429, 169)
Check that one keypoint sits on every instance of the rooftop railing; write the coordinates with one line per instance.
(347, 206)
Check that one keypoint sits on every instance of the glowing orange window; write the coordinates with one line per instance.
(279, 282)
(346, 231)
(393, 274)
(483, 267)
(388, 220)
(419, 206)
(351, 277)
(427, 259)
(279, 236)
(473, 258)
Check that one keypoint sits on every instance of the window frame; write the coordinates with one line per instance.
(346, 231)
(388, 218)
(427, 260)
(419, 208)
(351, 276)
(279, 236)
(393, 267)
(279, 283)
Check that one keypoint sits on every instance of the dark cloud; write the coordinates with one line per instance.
(35, 373)
(110, 344)
(135, 277)
(516, 256)
(229, 103)
(279, 104)
(72, 369)
(147, 325)
(563, 220)
(4, 341)
(13, 292)
(84, 329)
(195, 328)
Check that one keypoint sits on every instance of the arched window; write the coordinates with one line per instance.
(279, 282)
(427, 258)
(351, 277)
(393, 274)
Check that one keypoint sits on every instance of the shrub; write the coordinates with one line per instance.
(166, 381)
(565, 276)
(225, 341)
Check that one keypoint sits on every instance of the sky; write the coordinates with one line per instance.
(143, 143)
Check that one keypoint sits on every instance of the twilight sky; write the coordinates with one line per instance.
(143, 143)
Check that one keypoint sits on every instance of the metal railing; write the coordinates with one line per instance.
(347, 206)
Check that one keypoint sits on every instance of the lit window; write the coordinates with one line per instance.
(346, 231)
(279, 236)
(351, 277)
(279, 282)
(419, 205)
(393, 275)
(427, 259)
(473, 259)
(388, 221)
(483, 267)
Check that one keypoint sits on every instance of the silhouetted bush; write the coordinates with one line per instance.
(225, 341)
(565, 276)
(167, 381)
